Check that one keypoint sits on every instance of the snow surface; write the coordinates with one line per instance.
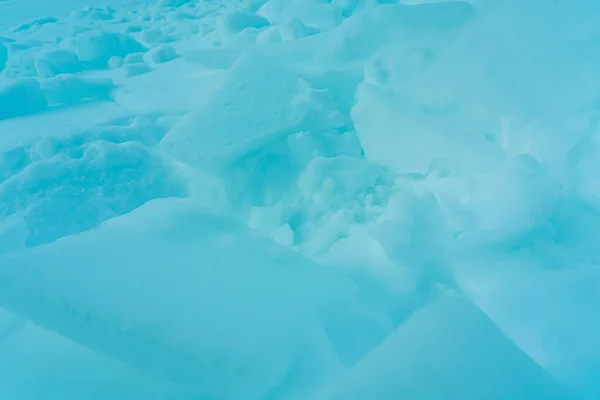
(299, 199)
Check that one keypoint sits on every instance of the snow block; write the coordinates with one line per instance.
(115, 62)
(361, 35)
(136, 69)
(316, 14)
(239, 20)
(22, 97)
(408, 138)
(257, 102)
(289, 30)
(3, 55)
(35, 24)
(134, 58)
(57, 62)
(213, 57)
(69, 89)
(95, 48)
(447, 350)
(185, 295)
(162, 54)
(38, 363)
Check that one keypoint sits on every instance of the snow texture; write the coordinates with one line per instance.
(299, 199)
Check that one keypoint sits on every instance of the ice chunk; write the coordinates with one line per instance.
(95, 48)
(239, 20)
(447, 350)
(13, 235)
(284, 235)
(316, 14)
(134, 58)
(156, 36)
(558, 331)
(413, 235)
(3, 55)
(521, 192)
(39, 363)
(213, 57)
(162, 54)
(57, 62)
(288, 30)
(67, 89)
(21, 98)
(257, 102)
(20, 63)
(9, 324)
(185, 295)
(361, 35)
(35, 24)
(409, 139)
(115, 62)
(135, 69)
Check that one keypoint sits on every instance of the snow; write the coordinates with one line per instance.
(20, 98)
(449, 349)
(56, 62)
(95, 48)
(163, 54)
(288, 104)
(256, 340)
(299, 199)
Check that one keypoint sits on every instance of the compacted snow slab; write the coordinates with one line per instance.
(39, 364)
(448, 350)
(257, 101)
(187, 296)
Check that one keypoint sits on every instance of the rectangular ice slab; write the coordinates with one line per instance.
(257, 102)
(184, 295)
(447, 350)
(39, 364)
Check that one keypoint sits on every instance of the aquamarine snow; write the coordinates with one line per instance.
(299, 200)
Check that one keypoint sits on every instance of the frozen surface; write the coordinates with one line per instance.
(271, 199)
(449, 349)
(248, 349)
